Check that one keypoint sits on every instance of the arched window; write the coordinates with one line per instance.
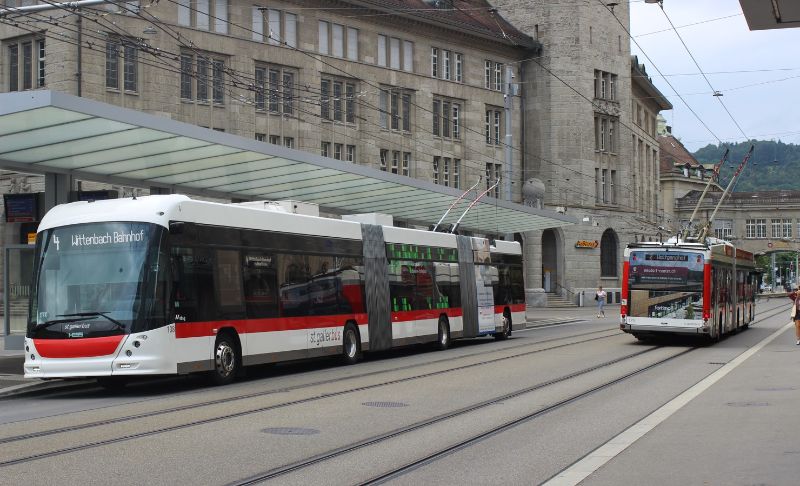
(608, 254)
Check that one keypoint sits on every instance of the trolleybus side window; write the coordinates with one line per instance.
(193, 284)
(260, 284)
(419, 278)
(228, 284)
(293, 290)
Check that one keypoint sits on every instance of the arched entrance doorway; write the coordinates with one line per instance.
(609, 245)
(550, 261)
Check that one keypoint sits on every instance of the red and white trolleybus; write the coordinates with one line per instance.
(684, 287)
(168, 285)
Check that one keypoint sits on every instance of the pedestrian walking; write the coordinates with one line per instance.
(795, 314)
(600, 297)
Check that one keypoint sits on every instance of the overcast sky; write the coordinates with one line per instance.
(765, 104)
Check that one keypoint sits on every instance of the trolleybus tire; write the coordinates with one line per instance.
(351, 344)
(226, 360)
(506, 332)
(443, 337)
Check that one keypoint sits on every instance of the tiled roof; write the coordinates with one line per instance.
(672, 153)
(477, 16)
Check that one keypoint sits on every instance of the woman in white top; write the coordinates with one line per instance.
(600, 297)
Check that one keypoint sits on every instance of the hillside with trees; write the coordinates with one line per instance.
(773, 166)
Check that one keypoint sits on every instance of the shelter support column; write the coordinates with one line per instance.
(57, 188)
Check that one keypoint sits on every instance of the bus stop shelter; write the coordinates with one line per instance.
(65, 137)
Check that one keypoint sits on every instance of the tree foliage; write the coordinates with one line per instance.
(770, 168)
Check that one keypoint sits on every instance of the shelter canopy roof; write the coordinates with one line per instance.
(48, 131)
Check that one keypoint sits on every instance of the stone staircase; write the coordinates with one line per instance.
(556, 300)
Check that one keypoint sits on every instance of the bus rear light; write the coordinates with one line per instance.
(623, 309)
(706, 315)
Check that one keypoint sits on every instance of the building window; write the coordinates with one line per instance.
(338, 148)
(612, 187)
(723, 229)
(384, 156)
(756, 228)
(198, 14)
(603, 187)
(325, 149)
(447, 118)
(338, 40)
(781, 228)
(274, 89)
(406, 163)
(275, 139)
(493, 172)
(288, 142)
(446, 171)
(280, 27)
(608, 254)
(395, 162)
(26, 64)
(395, 110)
(261, 137)
(196, 71)
(337, 101)
(446, 64)
(605, 133)
(493, 126)
(493, 75)
(605, 86)
(351, 153)
(391, 55)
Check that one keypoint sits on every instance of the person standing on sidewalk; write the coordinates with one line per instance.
(600, 297)
(796, 314)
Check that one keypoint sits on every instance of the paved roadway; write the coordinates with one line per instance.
(740, 429)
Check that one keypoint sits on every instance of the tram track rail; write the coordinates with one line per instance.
(314, 460)
(464, 444)
(383, 437)
(228, 400)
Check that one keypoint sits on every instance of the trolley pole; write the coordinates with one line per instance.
(509, 152)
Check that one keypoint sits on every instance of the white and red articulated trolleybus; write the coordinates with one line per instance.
(690, 288)
(164, 285)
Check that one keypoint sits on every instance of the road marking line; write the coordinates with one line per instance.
(603, 454)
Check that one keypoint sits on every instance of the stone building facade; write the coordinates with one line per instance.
(409, 90)
(580, 97)
(406, 86)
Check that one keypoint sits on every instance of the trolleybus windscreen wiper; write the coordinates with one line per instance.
(94, 314)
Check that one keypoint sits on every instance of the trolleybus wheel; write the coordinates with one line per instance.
(226, 360)
(443, 340)
(351, 344)
(506, 332)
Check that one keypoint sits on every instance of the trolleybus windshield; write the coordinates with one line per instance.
(665, 284)
(99, 279)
